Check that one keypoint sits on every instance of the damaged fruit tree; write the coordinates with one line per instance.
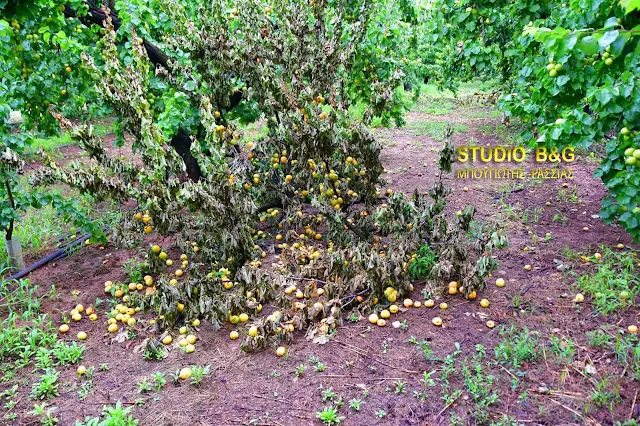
(291, 218)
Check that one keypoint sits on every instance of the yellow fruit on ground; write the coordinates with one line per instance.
(243, 317)
(112, 321)
(620, 246)
(179, 272)
(185, 373)
(281, 351)
(73, 312)
(139, 286)
(484, 303)
(407, 303)
(131, 322)
(527, 267)
(394, 309)
(63, 328)
(82, 335)
(118, 293)
(167, 340)
(195, 322)
(579, 298)
(452, 290)
(373, 318)
(183, 330)
(189, 348)
(253, 331)
(429, 303)
(437, 321)
(113, 328)
(81, 370)
(597, 256)
(299, 295)
(234, 335)
(118, 317)
(385, 314)
(79, 308)
(500, 282)
(169, 262)
(472, 295)
(132, 286)
(320, 291)
(233, 319)
(417, 304)
(191, 339)
(381, 322)
(318, 306)
(491, 324)
(453, 284)
(76, 317)
(156, 248)
(180, 307)
(183, 342)
(444, 306)
(633, 329)
(90, 310)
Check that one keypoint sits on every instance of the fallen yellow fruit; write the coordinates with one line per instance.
(63, 328)
(373, 319)
(443, 306)
(234, 335)
(243, 317)
(484, 303)
(500, 282)
(491, 324)
(429, 303)
(185, 373)
(189, 348)
(195, 322)
(579, 298)
(381, 322)
(281, 351)
(253, 331)
(82, 335)
(385, 314)
(113, 328)
(81, 370)
(167, 340)
(407, 303)
(437, 321)
(633, 329)
(527, 267)
(394, 309)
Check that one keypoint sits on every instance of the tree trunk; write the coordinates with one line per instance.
(181, 142)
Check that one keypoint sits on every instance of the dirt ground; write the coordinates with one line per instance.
(262, 389)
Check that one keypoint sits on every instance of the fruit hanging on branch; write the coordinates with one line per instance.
(339, 246)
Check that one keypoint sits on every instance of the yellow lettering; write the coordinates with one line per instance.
(567, 154)
(462, 154)
(541, 154)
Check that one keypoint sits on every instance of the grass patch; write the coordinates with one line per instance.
(614, 284)
(40, 229)
(434, 129)
(517, 346)
(49, 144)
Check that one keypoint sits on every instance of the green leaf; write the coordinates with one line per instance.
(608, 38)
(630, 5)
